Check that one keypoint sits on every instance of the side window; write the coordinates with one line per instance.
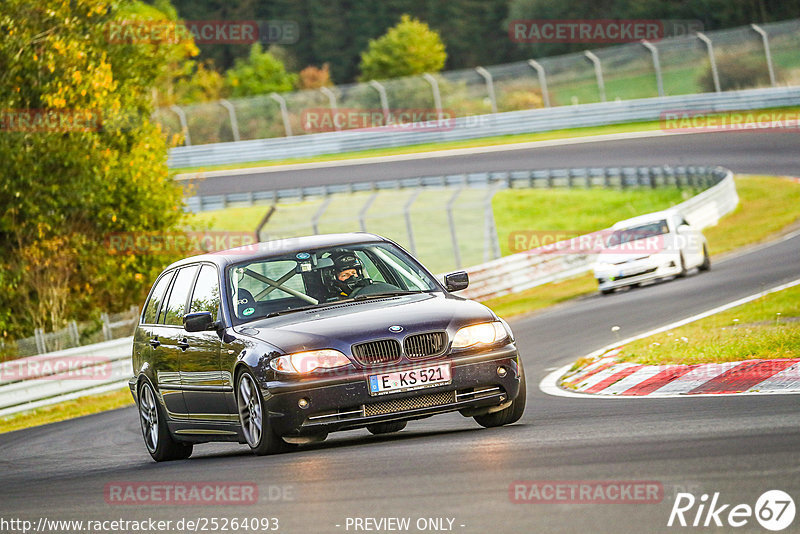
(206, 291)
(156, 297)
(371, 268)
(175, 309)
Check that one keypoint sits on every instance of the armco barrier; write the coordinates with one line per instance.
(512, 122)
(524, 270)
(510, 274)
(42, 386)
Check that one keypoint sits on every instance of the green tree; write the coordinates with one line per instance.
(408, 48)
(67, 186)
(259, 74)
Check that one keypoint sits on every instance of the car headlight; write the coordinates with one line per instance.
(479, 334)
(305, 362)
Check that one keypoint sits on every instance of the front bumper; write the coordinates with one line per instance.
(342, 403)
(636, 272)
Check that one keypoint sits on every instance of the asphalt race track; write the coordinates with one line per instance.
(754, 151)
(449, 467)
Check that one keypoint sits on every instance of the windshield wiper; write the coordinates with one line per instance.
(386, 294)
(306, 308)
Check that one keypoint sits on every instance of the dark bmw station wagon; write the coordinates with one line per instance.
(281, 343)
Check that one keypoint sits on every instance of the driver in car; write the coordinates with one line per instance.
(348, 274)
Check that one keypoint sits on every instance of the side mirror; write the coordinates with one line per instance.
(198, 321)
(456, 281)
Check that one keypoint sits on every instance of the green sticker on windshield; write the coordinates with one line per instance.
(248, 311)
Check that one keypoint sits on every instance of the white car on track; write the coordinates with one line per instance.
(649, 247)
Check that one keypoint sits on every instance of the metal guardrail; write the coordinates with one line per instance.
(462, 128)
(41, 383)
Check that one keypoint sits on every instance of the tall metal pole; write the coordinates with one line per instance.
(232, 114)
(332, 103)
(437, 98)
(710, 48)
(767, 53)
(542, 80)
(407, 214)
(384, 101)
(598, 72)
(287, 127)
(656, 66)
(487, 77)
(187, 141)
(451, 221)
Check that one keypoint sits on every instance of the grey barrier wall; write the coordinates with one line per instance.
(461, 128)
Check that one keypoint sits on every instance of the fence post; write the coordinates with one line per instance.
(452, 223)
(710, 48)
(284, 112)
(106, 326)
(407, 215)
(487, 77)
(598, 72)
(72, 329)
(187, 141)
(232, 114)
(767, 54)
(542, 80)
(318, 214)
(656, 66)
(38, 337)
(437, 98)
(384, 101)
(491, 246)
(332, 103)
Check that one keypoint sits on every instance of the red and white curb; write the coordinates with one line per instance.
(608, 378)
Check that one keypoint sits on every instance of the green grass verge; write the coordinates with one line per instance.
(566, 133)
(766, 328)
(67, 410)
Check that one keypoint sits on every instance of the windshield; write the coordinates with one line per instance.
(656, 228)
(308, 279)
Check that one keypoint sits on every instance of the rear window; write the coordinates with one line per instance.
(176, 305)
(156, 297)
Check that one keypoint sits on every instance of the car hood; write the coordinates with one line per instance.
(340, 326)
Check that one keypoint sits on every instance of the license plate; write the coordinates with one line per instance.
(410, 379)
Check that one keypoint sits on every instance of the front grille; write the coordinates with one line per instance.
(425, 345)
(410, 403)
(377, 352)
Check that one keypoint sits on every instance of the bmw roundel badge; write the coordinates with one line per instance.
(395, 328)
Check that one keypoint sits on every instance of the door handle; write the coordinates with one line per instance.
(183, 344)
(155, 342)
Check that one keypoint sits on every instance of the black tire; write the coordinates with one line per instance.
(606, 291)
(508, 415)
(157, 438)
(387, 428)
(706, 265)
(256, 429)
(683, 268)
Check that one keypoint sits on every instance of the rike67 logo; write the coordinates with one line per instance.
(774, 510)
